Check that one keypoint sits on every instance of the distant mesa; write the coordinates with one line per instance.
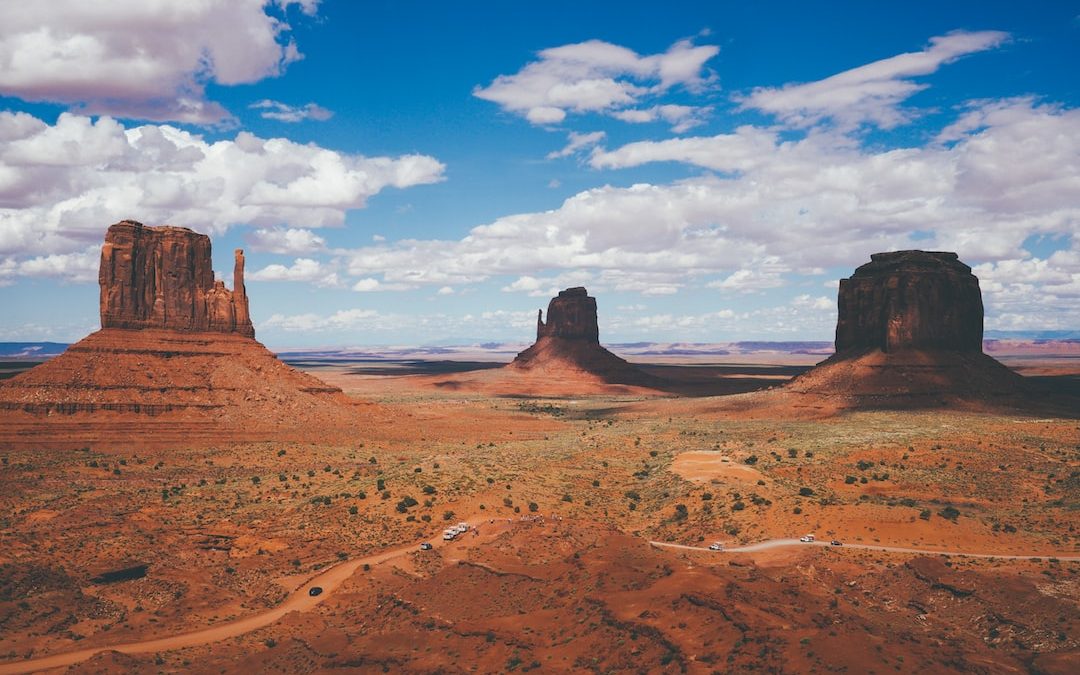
(909, 332)
(174, 343)
(569, 342)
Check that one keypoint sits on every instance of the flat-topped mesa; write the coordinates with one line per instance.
(571, 315)
(910, 300)
(162, 277)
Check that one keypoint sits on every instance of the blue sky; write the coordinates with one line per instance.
(409, 172)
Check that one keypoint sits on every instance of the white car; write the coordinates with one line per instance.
(716, 546)
(449, 534)
(807, 538)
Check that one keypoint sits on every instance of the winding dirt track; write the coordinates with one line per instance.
(299, 600)
(782, 543)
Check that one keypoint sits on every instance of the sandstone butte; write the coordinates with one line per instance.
(176, 352)
(569, 344)
(161, 277)
(909, 331)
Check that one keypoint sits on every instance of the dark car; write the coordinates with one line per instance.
(314, 590)
(836, 542)
(425, 546)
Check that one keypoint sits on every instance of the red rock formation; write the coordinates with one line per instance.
(569, 343)
(161, 277)
(571, 315)
(909, 333)
(910, 300)
(174, 344)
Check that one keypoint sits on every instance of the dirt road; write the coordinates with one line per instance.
(330, 579)
(781, 543)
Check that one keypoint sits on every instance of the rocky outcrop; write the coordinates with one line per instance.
(161, 277)
(175, 360)
(909, 334)
(571, 316)
(910, 300)
(568, 345)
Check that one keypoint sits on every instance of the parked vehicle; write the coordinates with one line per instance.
(836, 542)
(449, 534)
(806, 538)
(425, 546)
(315, 590)
(716, 546)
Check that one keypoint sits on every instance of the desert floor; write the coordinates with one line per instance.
(566, 492)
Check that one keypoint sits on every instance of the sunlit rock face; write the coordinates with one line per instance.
(162, 277)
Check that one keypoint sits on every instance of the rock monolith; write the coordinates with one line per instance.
(921, 300)
(571, 316)
(161, 277)
(909, 333)
(569, 342)
(174, 344)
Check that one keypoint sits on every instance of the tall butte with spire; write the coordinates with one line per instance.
(161, 277)
(174, 344)
(909, 332)
(569, 343)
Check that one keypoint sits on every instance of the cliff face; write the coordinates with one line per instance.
(572, 316)
(910, 300)
(161, 277)
(909, 335)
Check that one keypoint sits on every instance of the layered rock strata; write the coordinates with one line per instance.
(174, 344)
(161, 277)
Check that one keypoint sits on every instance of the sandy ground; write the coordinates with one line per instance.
(231, 527)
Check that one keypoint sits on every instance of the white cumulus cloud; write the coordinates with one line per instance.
(61, 185)
(595, 76)
(139, 59)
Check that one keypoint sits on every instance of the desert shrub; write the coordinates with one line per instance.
(596, 483)
(681, 512)
(380, 484)
(353, 510)
(752, 459)
(806, 492)
(738, 506)
(848, 480)
(429, 489)
(567, 498)
(534, 507)
(706, 496)
(863, 465)
(949, 513)
(792, 453)
(633, 494)
(449, 515)
(406, 503)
